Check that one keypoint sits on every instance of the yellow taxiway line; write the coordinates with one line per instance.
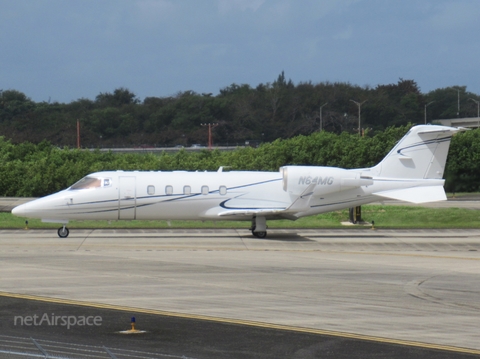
(244, 322)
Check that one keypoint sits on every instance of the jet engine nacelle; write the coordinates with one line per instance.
(323, 180)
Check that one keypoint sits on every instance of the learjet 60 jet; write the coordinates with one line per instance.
(412, 171)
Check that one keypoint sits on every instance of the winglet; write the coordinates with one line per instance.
(302, 203)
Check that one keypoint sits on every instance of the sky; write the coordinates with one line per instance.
(64, 50)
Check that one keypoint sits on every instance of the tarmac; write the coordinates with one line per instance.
(226, 294)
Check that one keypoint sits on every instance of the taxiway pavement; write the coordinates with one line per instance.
(398, 286)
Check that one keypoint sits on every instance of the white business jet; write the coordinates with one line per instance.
(411, 172)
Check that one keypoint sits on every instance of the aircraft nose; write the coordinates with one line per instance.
(20, 210)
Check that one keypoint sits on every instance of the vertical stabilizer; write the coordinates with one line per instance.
(421, 154)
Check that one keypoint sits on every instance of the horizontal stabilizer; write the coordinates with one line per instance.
(437, 129)
(416, 194)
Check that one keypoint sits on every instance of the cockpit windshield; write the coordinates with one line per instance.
(91, 182)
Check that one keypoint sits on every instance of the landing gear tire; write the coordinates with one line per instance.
(63, 232)
(259, 227)
(259, 234)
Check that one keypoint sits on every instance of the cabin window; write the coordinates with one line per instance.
(187, 190)
(205, 190)
(168, 190)
(151, 190)
(222, 190)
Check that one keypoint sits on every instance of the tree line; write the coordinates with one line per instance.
(280, 109)
(29, 169)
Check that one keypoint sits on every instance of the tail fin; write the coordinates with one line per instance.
(420, 154)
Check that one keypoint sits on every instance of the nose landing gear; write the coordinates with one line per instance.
(63, 232)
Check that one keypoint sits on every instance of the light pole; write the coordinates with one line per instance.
(359, 104)
(478, 110)
(210, 126)
(78, 133)
(428, 104)
(458, 101)
(321, 119)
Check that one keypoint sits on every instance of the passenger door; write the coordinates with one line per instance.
(127, 199)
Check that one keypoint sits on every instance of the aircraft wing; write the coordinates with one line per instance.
(251, 212)
(301, 204)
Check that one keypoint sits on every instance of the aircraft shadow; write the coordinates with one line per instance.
(284, 237)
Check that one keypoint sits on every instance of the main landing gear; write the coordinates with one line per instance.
(259, 227)
(63, 232)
